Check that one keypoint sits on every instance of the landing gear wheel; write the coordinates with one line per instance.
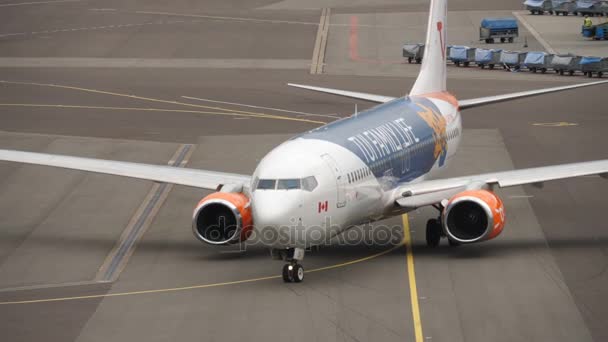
(293, 273)
(433, 232)
(287, 273)
(298, 273)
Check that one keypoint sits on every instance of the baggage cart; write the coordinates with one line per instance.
(512, 59)
(590, 7)
(447, 51)
(566, 63)
(539, 6)
(462, 55)
(594, 66)
(563, 7)
(574, 67)
(504, 29)
(487, 57)
(413, 52)
(596, 32)
(601, 32)
(537, 61)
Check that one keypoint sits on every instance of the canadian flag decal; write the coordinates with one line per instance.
(323, 206)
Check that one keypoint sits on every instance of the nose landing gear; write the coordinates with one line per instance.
(293, 272)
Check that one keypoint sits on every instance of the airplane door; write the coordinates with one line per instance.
(340, 180)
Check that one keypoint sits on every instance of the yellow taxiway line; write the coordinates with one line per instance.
(194, 287)
(43, 105)
(411, 275)
(136, 97)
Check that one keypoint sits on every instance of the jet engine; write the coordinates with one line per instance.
(223, 218)
(473, 216)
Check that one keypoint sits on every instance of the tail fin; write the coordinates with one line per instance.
(432, 77)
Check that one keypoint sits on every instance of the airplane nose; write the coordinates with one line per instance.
(267, 213)
(274, 219)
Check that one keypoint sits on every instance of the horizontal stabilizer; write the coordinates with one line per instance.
(481, 101)
(346, 93)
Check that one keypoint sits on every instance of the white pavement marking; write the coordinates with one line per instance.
(255, 20)
(12, 34)
(96, 28)
(322, 41)
(260, 107)
(534, 33)
(38, 3)
(185, 63)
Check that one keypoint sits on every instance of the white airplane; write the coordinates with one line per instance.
(363, 168)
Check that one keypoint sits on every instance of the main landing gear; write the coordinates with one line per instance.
(434, 232)
(293, 272)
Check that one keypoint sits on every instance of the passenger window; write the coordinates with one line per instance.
(309, 183)
(288, 184)
(266, 184)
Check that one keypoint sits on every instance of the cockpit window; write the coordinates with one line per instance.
(266, 184)
(288, 184)
(309, 183)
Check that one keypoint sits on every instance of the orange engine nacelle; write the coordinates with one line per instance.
(223, 218)
(473, 216)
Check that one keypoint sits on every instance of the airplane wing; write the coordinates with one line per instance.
(160, 173)
(434, 191)
(463, 104)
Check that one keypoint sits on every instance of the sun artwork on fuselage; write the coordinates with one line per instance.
(438, 124)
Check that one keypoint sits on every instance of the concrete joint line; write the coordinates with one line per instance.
(318, 54)
(119, 256)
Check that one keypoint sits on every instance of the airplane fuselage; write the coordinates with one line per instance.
(355, 165)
